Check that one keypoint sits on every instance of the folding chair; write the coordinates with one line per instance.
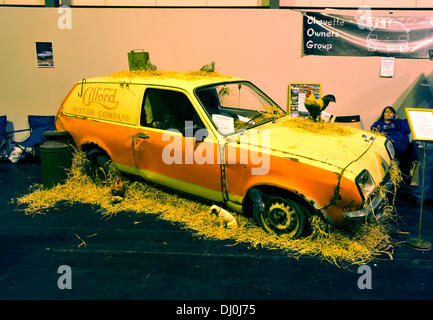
(38, 125)
(3, 123)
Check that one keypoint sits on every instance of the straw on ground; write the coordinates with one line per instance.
(359, 245)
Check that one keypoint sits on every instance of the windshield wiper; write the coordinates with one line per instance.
(251, 122)
(272, 117)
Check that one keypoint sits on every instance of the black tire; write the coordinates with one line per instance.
(282, 215)
(101, 169)
(100, 165)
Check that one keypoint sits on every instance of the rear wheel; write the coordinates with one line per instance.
(100, 167)
(282, 215)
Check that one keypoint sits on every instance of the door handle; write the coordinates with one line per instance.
(142, 135)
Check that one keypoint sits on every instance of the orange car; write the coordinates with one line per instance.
(222, 139)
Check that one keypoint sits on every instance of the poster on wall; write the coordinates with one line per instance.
(296, 97)
(329, 34)
(44, 54)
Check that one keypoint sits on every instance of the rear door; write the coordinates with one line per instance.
(104, 113)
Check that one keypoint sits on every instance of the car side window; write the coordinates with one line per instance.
(168, 109)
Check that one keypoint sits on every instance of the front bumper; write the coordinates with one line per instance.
(375, 206)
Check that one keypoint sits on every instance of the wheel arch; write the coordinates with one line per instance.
(310, 205)
(93, 149)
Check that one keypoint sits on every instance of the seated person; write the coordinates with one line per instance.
(397, 130)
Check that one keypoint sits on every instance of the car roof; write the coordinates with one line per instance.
(185, 80)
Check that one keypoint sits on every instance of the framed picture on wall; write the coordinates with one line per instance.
(44, 54)
(296, 97)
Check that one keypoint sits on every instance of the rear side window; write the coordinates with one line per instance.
(168, 109)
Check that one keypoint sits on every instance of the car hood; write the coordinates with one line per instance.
(335, 148)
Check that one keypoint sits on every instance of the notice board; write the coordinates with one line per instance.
(421, 123)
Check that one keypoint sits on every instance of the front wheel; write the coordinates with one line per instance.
(282, 215)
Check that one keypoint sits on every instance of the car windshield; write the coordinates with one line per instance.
(237, 106)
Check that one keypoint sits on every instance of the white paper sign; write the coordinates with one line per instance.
(387, 67)
(422, 124)
(224, 124)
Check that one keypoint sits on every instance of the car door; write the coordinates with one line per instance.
(173, 147)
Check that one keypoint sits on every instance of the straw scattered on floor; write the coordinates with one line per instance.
(360, 245)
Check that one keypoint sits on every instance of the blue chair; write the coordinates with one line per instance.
(3, 123)
(4, 150)
(37, 126)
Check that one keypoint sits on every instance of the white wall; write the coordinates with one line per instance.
(263, 46)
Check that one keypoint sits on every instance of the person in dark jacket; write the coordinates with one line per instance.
(397, 130)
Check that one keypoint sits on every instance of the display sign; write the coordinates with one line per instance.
(421, 123)
(296, 97)
(224, 124)
(330, 34)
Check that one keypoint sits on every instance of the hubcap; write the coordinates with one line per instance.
(283, 217)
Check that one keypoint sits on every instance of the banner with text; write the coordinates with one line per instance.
(328, 34)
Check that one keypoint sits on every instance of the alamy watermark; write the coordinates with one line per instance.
(255, 151)
(64, 22)
(367, 21)
(65, 280)
(365, 280)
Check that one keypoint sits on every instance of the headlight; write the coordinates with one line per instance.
(390, 148)
(365, 183)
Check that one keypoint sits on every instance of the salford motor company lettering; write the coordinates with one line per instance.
(105, 97)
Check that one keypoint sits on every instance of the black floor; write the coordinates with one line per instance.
(157, 260)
